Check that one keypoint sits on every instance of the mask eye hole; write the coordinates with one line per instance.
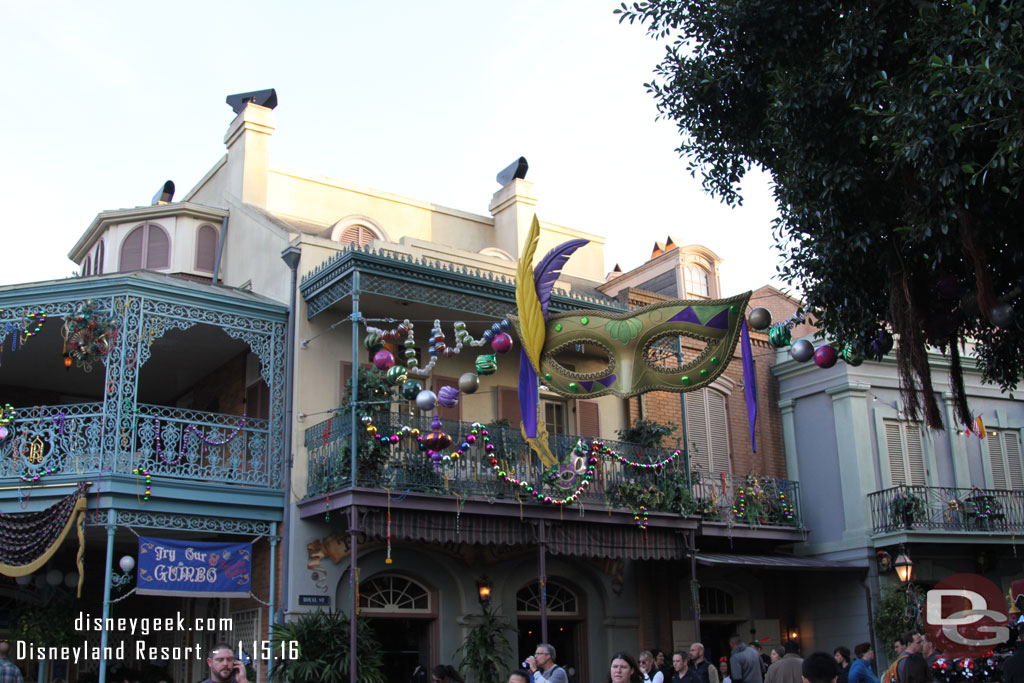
(582, 359)
(665, 353)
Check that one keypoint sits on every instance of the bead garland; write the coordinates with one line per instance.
(642, 465)
(640, 517)
(36, 476)
(407, 432)
(189, 430)
(539, 494)
(211, 442)
(149, 479)
(407, 331)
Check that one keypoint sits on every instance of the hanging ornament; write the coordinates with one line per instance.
(825, 356)
(373, 341)
(437, 440)
(396, 374)
(882, 343)
(851, 357)
(502, 343)
(426, 400)
(801, 351)
(140, 472)
(1002, 314)
(411, 389)
(448, 396)
(486, 364)
(383, 360)
(760, 319)
(89, 335)
(469, 382)
(640, 517)
(437, 346)
(779, 335)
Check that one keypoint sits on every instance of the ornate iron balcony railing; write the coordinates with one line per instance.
(936, 508)
(166, 441)
(403, 466)
(751, 499)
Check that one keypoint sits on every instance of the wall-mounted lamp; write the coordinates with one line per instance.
(483, 587)
(127, 564)
(793, 635)
(904, 568)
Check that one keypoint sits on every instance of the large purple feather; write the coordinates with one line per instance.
(549, 268)
(529, 394)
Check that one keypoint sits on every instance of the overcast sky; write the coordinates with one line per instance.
(104, 101)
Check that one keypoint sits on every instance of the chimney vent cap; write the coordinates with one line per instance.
(265, 98)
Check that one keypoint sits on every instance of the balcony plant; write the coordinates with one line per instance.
(646, 433)
(906, 509)
(323, 646)
(374, 395)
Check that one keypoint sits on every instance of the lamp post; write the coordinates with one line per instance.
(483, 587)
(904, 567)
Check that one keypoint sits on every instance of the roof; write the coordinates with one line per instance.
(774, 562)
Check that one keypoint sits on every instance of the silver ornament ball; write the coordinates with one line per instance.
(426, 400)
(469, 383)
(802, 351)
(760, 318)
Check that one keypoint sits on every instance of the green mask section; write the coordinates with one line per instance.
(589, 353)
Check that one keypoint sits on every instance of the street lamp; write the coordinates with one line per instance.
(483, 587)
(904, 568)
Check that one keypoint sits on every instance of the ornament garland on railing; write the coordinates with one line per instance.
(640, 517)
(141, 472)
(211, 442)
(643, 465)
(538, 493)
(497, 335)
(35, 477)
(7, 417)
(435, 442)
(189, 430)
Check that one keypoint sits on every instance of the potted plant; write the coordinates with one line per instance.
(906, 509)
(646, 433)
(486, 652)
(323, 646)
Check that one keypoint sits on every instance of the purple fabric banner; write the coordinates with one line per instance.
(749, 382)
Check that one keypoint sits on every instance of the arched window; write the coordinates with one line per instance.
(206, 248)
(390, 593)
(715, 601)
(147, 246)
(357, 234)
(85, 267)
(697, 281)
(561, 599)
(97, 267)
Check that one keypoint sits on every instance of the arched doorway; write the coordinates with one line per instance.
(566, 627)
(403, 614)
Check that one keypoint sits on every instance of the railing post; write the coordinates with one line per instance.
(354, 436)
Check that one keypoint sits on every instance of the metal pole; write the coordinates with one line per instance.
(273, 595)
(355, 373)
(694, 595)
(542, 542)
(353, 567)
(111, 528)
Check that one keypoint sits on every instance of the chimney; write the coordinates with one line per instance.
(248, 143)
(513, 208)
(616, 271)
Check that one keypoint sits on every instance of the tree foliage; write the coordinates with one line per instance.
(486, 652)
(323, 646)
(893, 133)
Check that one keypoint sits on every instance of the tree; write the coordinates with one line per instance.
(486, 652)
(322, 639)
(893, 133)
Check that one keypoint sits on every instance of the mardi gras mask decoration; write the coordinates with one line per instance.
(614, 353)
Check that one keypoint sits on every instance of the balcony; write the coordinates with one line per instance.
(656, 478)
(935, 508)
(169, 443)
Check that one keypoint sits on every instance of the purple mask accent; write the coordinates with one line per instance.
(720, 321)
(607, 381)
(587, 386)
(687, 315)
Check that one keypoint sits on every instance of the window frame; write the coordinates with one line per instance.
(144, 261)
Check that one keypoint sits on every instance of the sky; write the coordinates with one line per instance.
(105, 101)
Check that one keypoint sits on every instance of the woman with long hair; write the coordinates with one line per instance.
(649, 668)
(446, 673)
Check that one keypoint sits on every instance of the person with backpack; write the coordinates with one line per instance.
(894, 674)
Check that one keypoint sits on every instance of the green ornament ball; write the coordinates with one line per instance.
(397, 374)
(779, 336)
(851, 356)
(411, 389)
(373, 342)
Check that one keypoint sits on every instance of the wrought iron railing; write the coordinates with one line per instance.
(165, 441)
(937, 508)
(752, 500)
(403, 466)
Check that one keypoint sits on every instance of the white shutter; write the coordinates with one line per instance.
(894, 444)
(996, 461)
(718, 431)
(915, 455)
(697, 431)
(1011, 447)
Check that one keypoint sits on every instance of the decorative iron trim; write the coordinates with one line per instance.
(172, 522)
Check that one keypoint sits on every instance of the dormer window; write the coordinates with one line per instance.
(698, 282)
(85, 267)
(97, 268)
(206, 248)
(147, 246)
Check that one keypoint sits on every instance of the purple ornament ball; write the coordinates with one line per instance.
(448, 396)
(502, 343)
(825, 356)
(881, 344)
(383, 360)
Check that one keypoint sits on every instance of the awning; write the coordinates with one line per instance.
(773, 562)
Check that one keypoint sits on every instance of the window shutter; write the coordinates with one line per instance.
(894, 445)
(718, 431)
(508, 406)
(85, 267)
(995, 458)
(589, 417)
(359, 235)
(98, 261)
(131, 250)
(1011, 446)
(446, 413)
(206, 248)
(697, 431)
(915, 455)
(158, 248)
